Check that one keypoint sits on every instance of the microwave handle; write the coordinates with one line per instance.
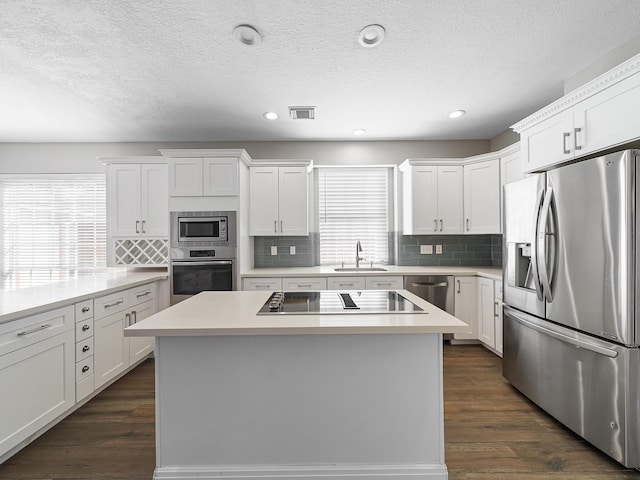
(202, 264)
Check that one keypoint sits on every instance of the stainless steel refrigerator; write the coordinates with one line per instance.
(570, 288)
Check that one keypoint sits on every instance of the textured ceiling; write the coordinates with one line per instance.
(167, 70)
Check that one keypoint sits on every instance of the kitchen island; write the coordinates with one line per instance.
(240, 395)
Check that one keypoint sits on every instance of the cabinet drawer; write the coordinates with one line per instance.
(84, 349)
(384, 283)
(341, 283)
(35, 328)
(109, 304)
(268, 284)
(84, 329)
(84, 387)
(84, 310)
(84, 368)
(143, 293)
(302, 283)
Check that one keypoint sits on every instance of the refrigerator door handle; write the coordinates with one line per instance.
(534, 250)
(542, 243)
(576, 342)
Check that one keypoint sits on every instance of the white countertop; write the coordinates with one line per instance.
(235, 313)
(494, 273)
(30, 301)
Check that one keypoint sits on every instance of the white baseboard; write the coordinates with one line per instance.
(305, 472)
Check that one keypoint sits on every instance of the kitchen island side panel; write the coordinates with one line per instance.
(322, 403)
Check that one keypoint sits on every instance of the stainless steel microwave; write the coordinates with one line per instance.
(189, 229)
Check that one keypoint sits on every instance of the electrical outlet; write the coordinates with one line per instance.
(426, 249)
(438, 249)
(274, 250)
(292, 250)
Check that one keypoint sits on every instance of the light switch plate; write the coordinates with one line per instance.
(426, 249)
(274, 250)
(292, 250)
(438, 249)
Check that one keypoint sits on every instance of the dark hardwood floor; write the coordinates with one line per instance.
(491, 432)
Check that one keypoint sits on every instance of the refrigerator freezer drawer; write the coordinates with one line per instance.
(590, 385)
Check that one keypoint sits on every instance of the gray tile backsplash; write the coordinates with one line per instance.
(457, 250)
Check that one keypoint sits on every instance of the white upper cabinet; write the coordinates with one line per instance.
(197, 177)
(279, 200)
(482, 197)
(510, 167)
(137, 199)
(600, 115)
(432, 199)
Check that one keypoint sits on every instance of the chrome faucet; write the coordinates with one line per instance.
(358, 257)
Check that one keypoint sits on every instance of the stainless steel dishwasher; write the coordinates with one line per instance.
(435, 289)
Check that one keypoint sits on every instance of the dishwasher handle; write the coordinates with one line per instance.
(429, 284)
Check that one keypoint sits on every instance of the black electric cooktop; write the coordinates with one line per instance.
(333, 302)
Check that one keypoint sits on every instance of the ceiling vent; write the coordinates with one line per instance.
(302, 113)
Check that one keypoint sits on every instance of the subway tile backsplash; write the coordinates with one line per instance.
(457, 250)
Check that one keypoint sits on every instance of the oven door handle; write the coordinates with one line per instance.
(202, 264)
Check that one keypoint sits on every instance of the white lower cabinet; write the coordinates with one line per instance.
(346, 283)
(486, 312)
(85, 379)
(271, 284)
(140, 347)
(466, 306)
(384, 283)
(304, 283)
(111, 347)
(37, 374)
(498, 304)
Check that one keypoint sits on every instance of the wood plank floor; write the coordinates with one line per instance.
(491, 432)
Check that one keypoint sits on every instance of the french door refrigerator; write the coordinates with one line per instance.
(570, 288)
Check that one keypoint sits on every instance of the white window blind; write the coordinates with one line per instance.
(353, 205)
(53, 228)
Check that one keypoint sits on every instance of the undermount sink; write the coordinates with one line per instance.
(360, 269)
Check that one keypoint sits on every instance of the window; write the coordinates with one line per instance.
(53, 228)
(353, 204)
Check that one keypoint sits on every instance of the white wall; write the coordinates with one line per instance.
(82, 157)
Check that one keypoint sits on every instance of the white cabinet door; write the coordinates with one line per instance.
(345, 283)
(482, 197)
(384, 282)
(510, 168)
(263, 201)
(609, 117)
(265, 284)
(185, 177)
(111, 348)
(293, 201)
(140, 347)
(466, 306)
(547, 142)
(486, 312)
(154, 200)
(450, 199)
(38, 385)
(420, 200)
(124, 200)
(220, 176)
(304, 283)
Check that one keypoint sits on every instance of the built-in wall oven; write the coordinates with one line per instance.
(202, 253)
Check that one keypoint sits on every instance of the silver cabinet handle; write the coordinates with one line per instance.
(565, 135)
(85, 328)
(86, 348)
(440, 224)
(495, 309)
(114, 304)
(33, 330)
(345, 284)
(85, 309)
(467, 224)
(384, 284)
(275, 226)
(281, 230)
(304, 286)
(134, 317)
(143, 231)
(140, 295)
(127, 319)
(137, 226)
(576, 131)
(458, 281)
(435, 224)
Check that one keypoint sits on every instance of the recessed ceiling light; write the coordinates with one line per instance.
(270, 115)
(371, 35)
(247, 35)
(359, 131)
(457, 114)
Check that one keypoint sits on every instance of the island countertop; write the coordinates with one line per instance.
(235, 313)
